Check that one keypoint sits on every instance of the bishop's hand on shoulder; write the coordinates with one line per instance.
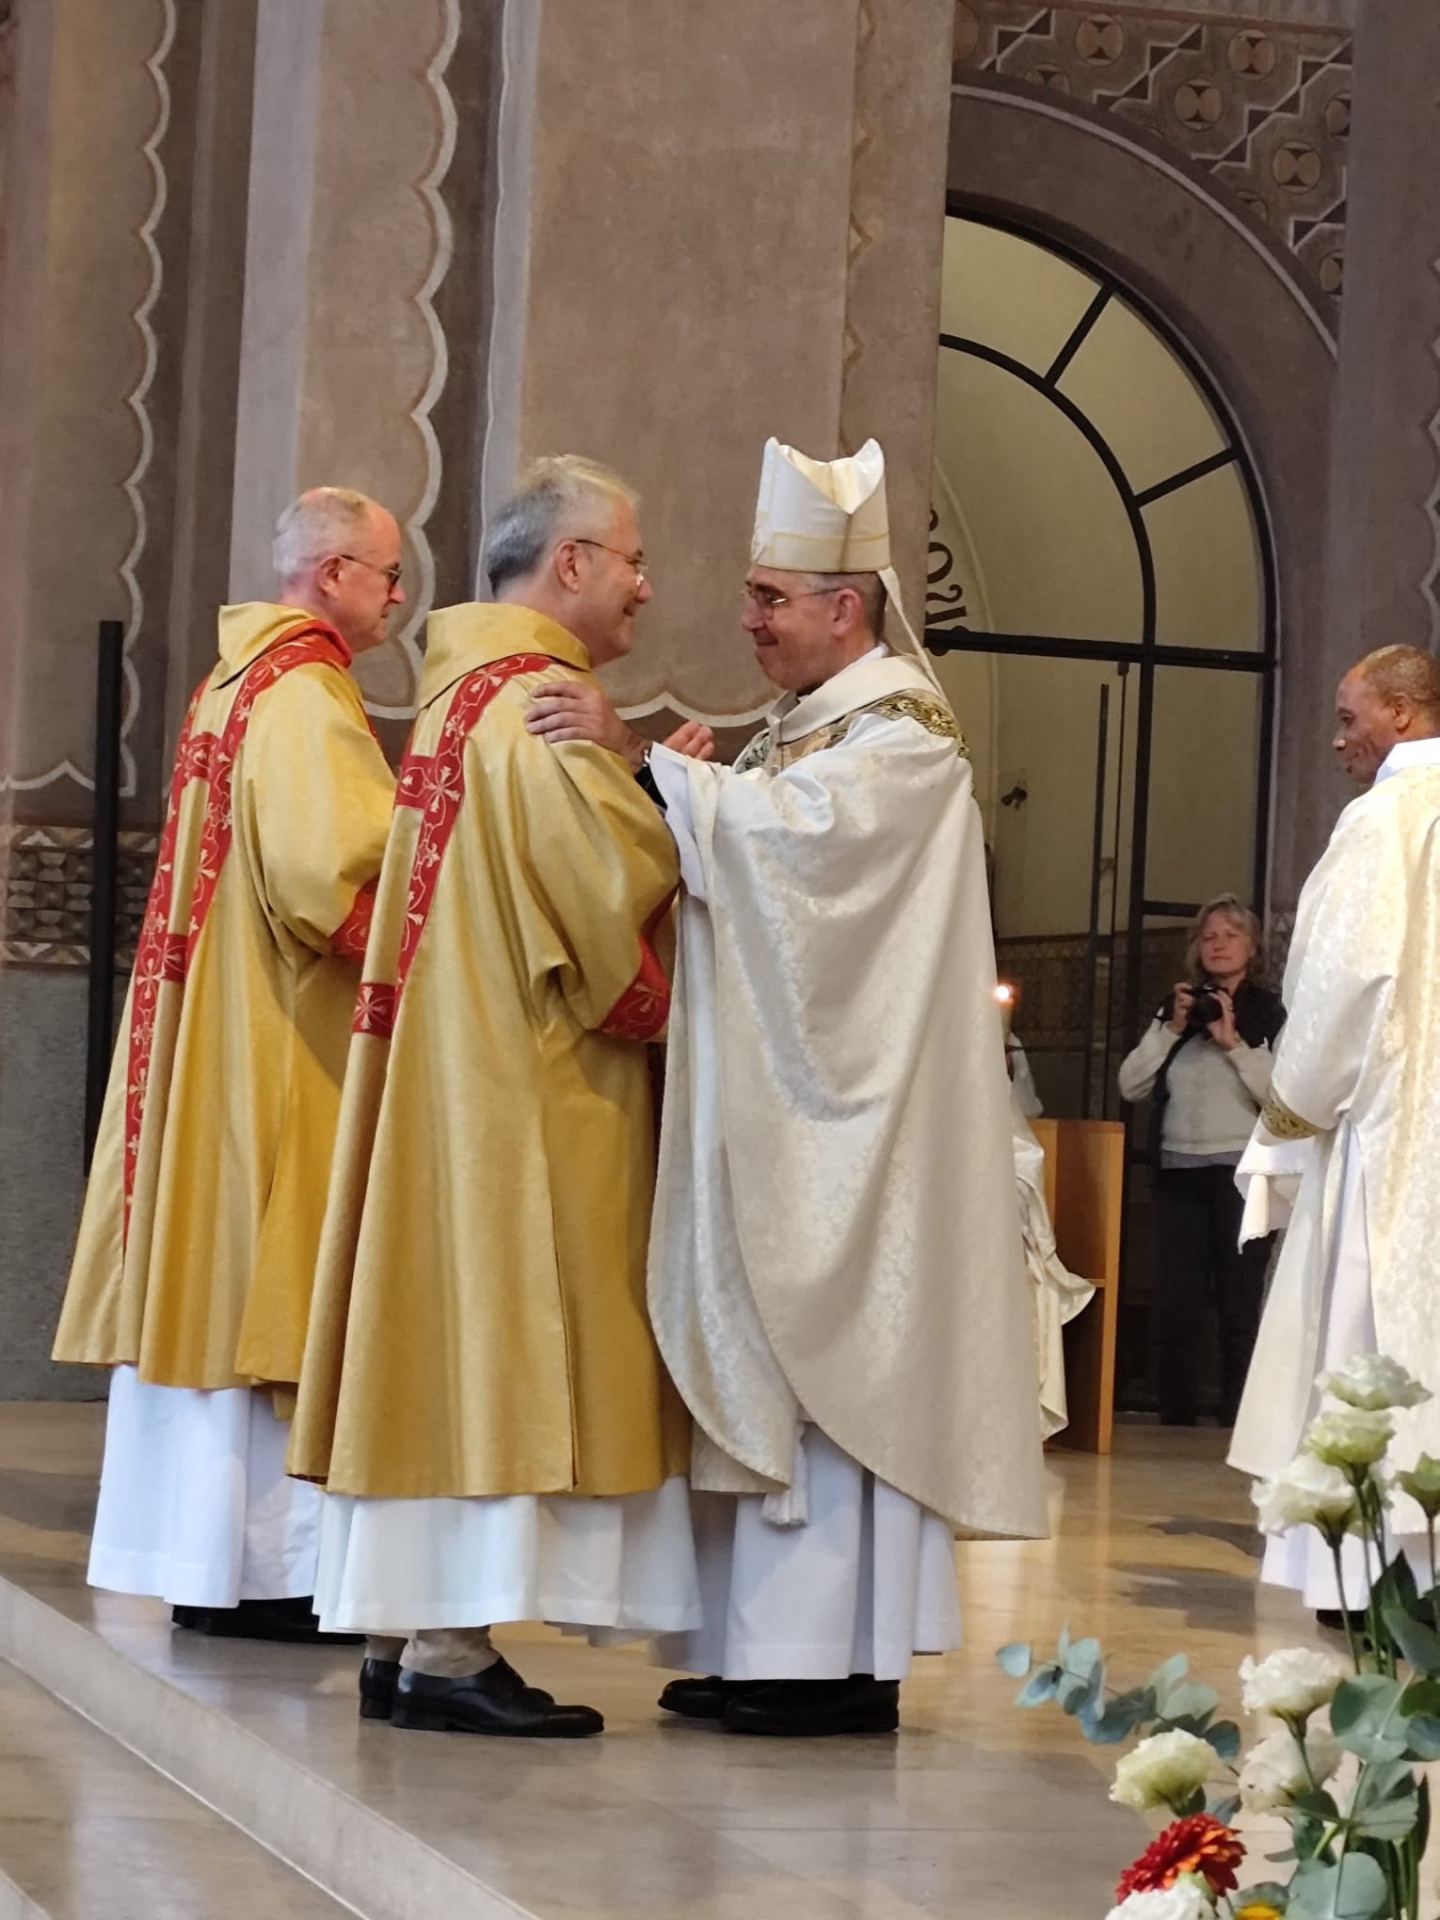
(581, 710)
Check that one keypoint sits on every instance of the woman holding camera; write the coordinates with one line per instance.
(1206, 1059)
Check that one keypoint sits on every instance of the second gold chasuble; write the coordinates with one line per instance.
(479, 1323)
(202, 1218)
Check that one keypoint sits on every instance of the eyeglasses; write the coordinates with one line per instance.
(635, 560)
(766, 600)
(392, 574)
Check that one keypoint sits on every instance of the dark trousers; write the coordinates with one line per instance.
(1197, 1227)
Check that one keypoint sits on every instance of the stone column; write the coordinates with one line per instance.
(342, 357)
(696, 248)
(99, 107)
(1383, 576)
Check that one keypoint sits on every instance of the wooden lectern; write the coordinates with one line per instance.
(1085, 1192)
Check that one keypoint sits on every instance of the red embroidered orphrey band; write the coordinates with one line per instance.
(161, 955)
(642, 1010)
(435, 785)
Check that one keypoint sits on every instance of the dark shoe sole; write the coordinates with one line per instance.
(375, 1707)
(437, 1720)
(880, 1720)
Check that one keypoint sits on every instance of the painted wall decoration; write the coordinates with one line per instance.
(1264, 110)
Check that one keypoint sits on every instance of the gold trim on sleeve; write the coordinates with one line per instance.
(1278, 1119)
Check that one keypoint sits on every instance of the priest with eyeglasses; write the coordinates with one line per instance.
(836, 1275)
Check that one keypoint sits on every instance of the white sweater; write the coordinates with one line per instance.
(1214, 1095)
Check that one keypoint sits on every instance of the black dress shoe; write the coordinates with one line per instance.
(808, 1709)
(377, 1688)
(495, 1701)
(291, 1621)
(706, 1699)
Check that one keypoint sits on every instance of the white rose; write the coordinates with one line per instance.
(1306, 1493)
(1274, 1771)
(1373, 1381)
(1186, 1900)
(1163, 1771)
(1350, 1436)
(1295, 1681)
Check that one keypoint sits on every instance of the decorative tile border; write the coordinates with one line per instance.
(45, 873)
(1263, 109)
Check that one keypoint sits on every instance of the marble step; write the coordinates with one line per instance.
(185, 1715)
(90, 1832)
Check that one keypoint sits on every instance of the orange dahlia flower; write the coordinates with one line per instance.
(1199, 1844)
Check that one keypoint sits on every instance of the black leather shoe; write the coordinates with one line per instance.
(495, 1701)
(706, 1699)
(292, 1621)
(377, 1688)
(809, 1709)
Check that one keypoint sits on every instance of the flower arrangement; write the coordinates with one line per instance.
(1346, 1737)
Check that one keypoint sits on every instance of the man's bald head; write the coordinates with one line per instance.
(1390, 696)
(337, 555)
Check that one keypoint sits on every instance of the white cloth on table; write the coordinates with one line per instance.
(616, 1563)
(195, 1507)
(867, 1582)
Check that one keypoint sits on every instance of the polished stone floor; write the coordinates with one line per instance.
(977, 1808)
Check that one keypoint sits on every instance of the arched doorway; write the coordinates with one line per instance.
(1103, 604)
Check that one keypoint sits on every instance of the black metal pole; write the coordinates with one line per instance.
(104, 874)
(1097, 854)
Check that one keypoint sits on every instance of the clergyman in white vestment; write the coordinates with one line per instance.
(837, 1280)
(1348, 1145)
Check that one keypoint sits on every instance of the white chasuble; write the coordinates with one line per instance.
(835, 1236)
(1352, 1129)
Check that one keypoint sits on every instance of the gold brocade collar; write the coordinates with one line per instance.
(459, 639)
(868, 680)
(251, 627)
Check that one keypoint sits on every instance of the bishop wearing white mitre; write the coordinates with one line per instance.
(1350, 1135)
(837, 1281)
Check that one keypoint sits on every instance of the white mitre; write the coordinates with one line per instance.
(828, 516)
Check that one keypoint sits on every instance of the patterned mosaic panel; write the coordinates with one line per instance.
(1265, 110)
(46, 875)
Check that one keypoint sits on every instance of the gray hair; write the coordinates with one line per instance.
(322, 522)
(557, 498)
(871, 589)
(1233, 908)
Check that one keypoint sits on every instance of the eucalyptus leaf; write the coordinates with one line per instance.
(1421, 1696)
(1167, 1675)
(1353, 1890)
(1224, 1737)
(1225, 1810)
(1192, 1701)
(1317, 1805)
(1040, 1688)
(1367, 1719)
(1390, 1820)
(1107, 1727)
(1083, 1656)
(1016, 1659)
(1419, 1644)
(1424, 1741)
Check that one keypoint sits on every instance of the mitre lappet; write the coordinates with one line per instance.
(829, 516)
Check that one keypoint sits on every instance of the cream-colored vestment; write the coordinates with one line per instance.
(1352, 1132)
(836, 1246)
(197, 1245)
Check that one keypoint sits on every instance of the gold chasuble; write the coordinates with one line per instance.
(479, 1324)
(202, 1217)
